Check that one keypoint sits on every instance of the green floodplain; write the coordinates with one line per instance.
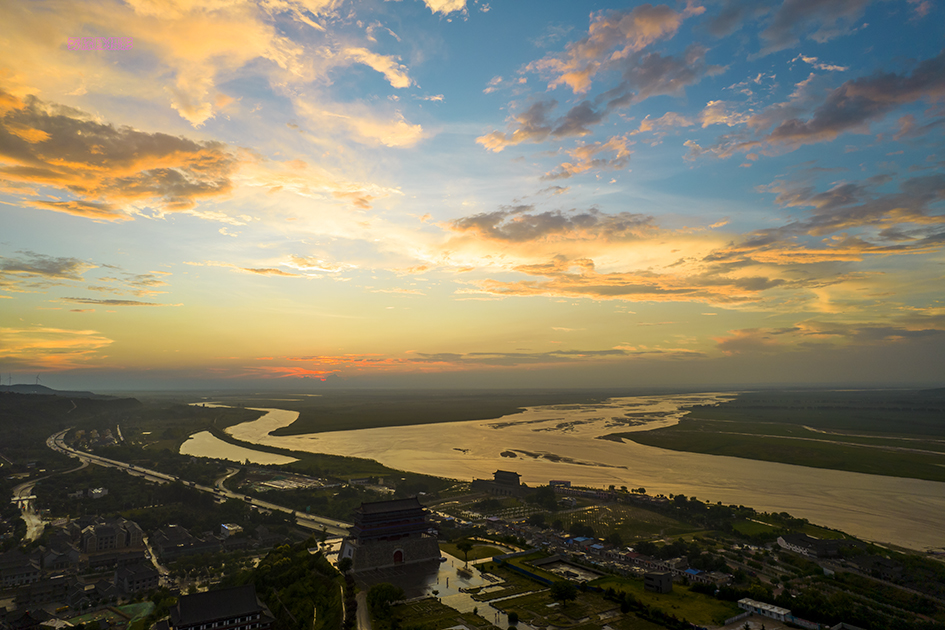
(898, 433)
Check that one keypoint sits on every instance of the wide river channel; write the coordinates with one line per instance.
(561, 442)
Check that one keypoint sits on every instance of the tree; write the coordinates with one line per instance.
(465, 546)
(381, 595)
(344, 565)
(537, 519)
(513, 618)
(579, 530)
(564, 592)
(545, 497)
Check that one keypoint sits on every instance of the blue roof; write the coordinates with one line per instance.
(581, 539)
(693, 571)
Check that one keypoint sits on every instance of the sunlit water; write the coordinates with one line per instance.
(199, 444)
(560, 442)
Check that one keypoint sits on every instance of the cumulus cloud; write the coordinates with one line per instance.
(819, 20)
(587, 156)
(856, 204)
(570, 278)
(644, 76)
(653, 74)
(445, 6)
(55, 267)
(532, 125)
(807, 334)
(721, 113)
(669, 120)
(858, 102)
(393, 71)
(611, 36)
(851, 107)
(734, 14)
(109, 168)
(797, 265)
(520, 223)
(820, 66)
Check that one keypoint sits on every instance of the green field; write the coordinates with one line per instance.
(631, 522)
(899, 434)
(538, 609)
(430, 614)
(693, 607)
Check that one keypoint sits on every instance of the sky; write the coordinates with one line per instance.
(458, 193)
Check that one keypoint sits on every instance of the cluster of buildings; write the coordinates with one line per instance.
(86, 544)
(597, 553)
(94, 438)
(175, 541)
(84, 562)
(504, 483)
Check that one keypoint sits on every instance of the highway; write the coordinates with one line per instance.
(309, 521)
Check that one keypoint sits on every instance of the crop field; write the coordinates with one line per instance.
(541, 610)
(694, 607)
(431, 614)
(632, 523)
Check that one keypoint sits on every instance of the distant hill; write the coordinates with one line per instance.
(23, 388)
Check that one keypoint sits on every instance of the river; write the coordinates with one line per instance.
(560, 442)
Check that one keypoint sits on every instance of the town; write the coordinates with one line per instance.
(104, 535)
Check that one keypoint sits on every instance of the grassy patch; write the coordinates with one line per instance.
(523, 562)
(630, 622)
(753, 528)
(539, 609)
(514, 583)
(694, 607)
(431, 614)
(631, 522)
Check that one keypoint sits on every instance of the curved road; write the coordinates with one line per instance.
(23, 496)
(317, 523)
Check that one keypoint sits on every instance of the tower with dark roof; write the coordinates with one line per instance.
(390, 533)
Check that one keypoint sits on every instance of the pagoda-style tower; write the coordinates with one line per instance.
(389, 533)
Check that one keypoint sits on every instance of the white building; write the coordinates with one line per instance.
(767, 610)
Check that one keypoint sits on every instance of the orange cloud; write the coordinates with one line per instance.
(110, 169)
(50, 349)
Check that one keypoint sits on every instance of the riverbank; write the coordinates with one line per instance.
(556, 443)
